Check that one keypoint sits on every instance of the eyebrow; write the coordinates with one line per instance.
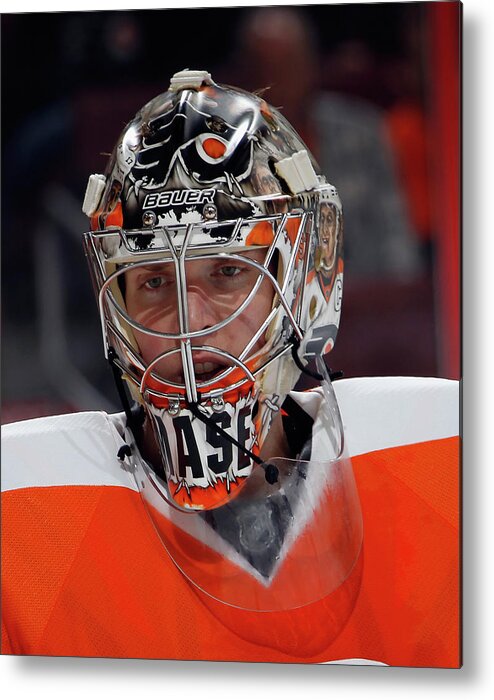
(148, 268)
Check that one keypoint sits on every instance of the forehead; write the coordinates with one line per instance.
(327, 208)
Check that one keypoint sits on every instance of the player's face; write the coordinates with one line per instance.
(327, 233)
(215, 289)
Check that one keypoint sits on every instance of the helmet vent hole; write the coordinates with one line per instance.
(216, 124)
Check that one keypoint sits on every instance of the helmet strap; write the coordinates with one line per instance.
(295, 343)
(134, 414)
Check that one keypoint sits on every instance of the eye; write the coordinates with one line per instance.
(230, 270)
(154, 282)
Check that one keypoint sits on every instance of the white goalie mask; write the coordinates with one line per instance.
(216, 255)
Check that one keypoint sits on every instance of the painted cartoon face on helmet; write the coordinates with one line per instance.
(206, 253)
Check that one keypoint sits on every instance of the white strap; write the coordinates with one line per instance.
(189, 80)
(94, 191)
(298, 172)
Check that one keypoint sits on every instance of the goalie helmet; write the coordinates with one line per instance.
(216, 254)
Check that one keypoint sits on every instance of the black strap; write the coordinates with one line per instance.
(135, 413)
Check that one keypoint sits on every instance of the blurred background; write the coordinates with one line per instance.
(373, 89)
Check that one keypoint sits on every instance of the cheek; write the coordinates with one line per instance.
(155, 314)
(255, 315)
(155, 318)
(150, 346)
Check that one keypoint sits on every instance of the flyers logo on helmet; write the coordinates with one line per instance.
(189, 134)
(322, 340)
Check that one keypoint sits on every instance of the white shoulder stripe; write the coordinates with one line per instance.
(383, 412)
(73, 449)
(81, 448)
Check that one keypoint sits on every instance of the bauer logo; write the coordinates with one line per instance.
(175, 198)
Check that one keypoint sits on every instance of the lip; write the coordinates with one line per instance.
(207, 371)
(206, 367)
(202, 357)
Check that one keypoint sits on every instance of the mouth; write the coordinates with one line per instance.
(205, 371)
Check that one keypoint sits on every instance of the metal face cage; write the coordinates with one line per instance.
(114, 252)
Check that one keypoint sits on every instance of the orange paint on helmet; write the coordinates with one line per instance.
(214, 148)
(232, 396)
(267, 113)
(94, 222)
(262, 234)
(212, 497)
(115, 217)
(292, 227)
(209, 90)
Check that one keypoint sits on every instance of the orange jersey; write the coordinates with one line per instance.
(85, 574)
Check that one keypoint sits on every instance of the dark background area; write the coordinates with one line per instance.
(70, 82)
(48, 56)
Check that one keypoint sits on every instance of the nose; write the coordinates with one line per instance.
(202, 312)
